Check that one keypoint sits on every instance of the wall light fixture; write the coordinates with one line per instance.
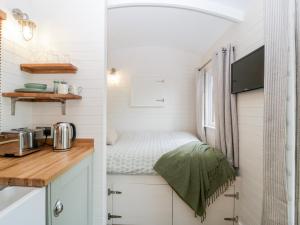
(113, 77)
(27, 25)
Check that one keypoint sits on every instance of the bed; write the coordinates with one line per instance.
(135, 153)
(133, 182)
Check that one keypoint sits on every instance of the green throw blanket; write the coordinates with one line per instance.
(198, 174)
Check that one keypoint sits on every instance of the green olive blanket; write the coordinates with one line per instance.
(198, 173)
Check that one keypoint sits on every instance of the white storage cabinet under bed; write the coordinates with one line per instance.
(138, 196)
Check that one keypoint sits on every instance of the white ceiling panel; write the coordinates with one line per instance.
(161, 26)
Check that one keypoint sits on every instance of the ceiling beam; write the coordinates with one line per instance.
(207, 7)
(2, 15)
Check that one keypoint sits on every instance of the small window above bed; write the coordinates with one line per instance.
(209, 111)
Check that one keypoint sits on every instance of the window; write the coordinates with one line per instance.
(209, 110)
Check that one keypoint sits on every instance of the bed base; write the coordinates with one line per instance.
(149, 200)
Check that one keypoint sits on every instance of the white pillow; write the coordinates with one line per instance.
(112, 136)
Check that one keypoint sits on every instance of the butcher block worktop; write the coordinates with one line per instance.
(40, 168)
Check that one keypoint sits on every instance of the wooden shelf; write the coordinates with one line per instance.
(39, 97)
(49, 68)
(2, 15)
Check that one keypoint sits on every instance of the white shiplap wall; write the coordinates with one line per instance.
(247, 36)
(176, 67)
(62, 28)
(15, 50)
(13, 55)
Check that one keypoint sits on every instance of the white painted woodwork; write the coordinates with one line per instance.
(215, 8)
(143, 204)
(15, 50)
(246, 37)
(147, 91)
(175, 28)
(222, 208)
(176, 66)
(148, 200)
(83, 39)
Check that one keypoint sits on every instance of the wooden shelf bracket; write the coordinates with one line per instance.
(13, 106)
(29, 99)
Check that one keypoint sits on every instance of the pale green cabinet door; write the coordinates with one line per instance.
(70, 196)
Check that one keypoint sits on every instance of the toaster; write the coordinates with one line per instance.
(20, 142)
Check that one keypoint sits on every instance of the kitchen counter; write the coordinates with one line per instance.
(40, 168)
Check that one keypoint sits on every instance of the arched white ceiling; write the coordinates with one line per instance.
(187, 30)
(228, 9)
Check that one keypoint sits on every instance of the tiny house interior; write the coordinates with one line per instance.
(149, 112)
(158, 52)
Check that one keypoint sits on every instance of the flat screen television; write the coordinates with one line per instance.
(248, 72)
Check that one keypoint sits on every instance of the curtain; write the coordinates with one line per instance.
(297, 54)
(200, 103)
(2, 17)
(277, 70)
(226, 133)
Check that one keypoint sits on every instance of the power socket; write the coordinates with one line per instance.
(46, 131)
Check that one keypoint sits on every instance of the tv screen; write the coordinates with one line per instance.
(248, 72)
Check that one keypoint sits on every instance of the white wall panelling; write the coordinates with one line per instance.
(71, 34)
(147, 91)
(166, 27)
(13, 55)
(161, 205)
(60, 28)
(15, 50)
(247, 36)
(215, 8)
(177, 69)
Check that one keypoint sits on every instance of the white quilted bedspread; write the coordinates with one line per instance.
(135, 153)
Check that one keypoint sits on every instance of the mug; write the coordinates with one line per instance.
(75, 90)
(63, 88)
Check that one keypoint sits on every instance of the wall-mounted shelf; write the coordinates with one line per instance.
(2, 15)
(39, 97)
(49, 68)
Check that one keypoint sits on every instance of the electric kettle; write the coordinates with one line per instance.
(63, 136)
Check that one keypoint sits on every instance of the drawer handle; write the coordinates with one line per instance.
(110, 216)
(59, 207)
(112, 192)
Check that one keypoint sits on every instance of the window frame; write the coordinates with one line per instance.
(209, 105)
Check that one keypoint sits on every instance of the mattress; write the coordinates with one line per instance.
(135, 153)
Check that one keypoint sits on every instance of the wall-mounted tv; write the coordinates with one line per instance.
(248, 72)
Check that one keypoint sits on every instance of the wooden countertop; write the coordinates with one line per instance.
(40, 168)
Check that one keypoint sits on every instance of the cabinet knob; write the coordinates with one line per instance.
(59, 207)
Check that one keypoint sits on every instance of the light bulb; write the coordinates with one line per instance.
(113, 79)
(27, 32)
